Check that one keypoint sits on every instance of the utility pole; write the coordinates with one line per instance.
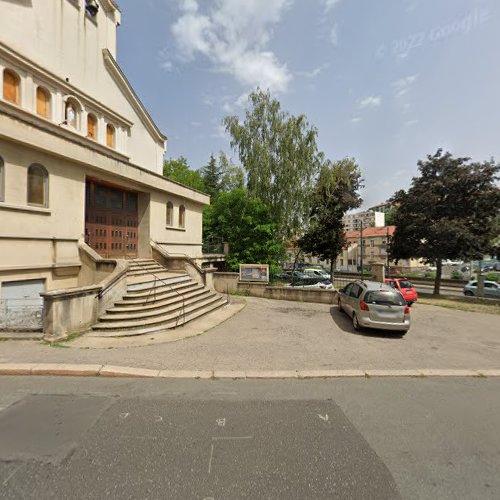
(361, 245)
(387, 253)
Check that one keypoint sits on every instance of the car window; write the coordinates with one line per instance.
(355, 291)
(393, 284)
(347, 289)
(385, 297)
(474, 283)
(490, 285)
(405, 284)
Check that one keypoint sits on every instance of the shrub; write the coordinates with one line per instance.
(456, 275)
(492, 277)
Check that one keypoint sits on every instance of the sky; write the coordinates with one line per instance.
(386, 82)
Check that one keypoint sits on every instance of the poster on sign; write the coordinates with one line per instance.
(254, 272)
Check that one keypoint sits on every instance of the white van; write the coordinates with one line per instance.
(317, 273)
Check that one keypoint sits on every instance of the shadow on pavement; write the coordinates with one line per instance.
(345, 324)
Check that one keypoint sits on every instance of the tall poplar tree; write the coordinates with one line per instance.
(279, 154)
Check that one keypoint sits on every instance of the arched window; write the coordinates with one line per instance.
(71, 113)
(11, 86)
(43, 102)
(38, 186)
(110, 136)
(182, 216)
(170, 214)
(91, 127)
(2, 180)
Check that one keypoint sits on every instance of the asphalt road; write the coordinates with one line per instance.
(369, 438)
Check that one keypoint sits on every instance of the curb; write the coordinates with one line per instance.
(82, 370)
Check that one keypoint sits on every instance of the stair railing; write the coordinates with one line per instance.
(182, 313)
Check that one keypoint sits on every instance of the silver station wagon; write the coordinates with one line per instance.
(372, 304)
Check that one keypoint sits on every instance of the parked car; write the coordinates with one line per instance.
(406, 288)
(375, 305)
(491, 289)
(312, 283)
(317, 273)
(287, 276)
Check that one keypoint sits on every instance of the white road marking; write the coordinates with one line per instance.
(158, 418)
(222, 438)
(221, 422)
(324, 418)
(123, 416)
(211, 457)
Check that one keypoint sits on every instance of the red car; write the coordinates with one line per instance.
(405, 287)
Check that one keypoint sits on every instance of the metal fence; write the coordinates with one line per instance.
(21, 314)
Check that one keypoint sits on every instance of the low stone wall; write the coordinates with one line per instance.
(75, 310)
(230, 283)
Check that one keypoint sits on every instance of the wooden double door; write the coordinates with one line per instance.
(111, 220)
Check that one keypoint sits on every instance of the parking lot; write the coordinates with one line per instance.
(283, 335)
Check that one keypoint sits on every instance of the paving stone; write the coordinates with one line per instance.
(124, 371)
(229, 374)
(15, 368)
(449, 373)
(74, 370)
(393, 373)
(271, 374)
(489, 373)
(330, 373)
(186, 373)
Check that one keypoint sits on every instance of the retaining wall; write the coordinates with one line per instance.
(230, 283)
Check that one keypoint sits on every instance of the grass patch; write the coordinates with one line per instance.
(467, 304)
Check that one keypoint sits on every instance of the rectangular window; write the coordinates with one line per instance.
(372, 244)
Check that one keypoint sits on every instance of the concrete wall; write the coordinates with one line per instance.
(70, 311)
(230, 283)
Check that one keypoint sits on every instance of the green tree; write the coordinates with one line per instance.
(390, 216)
(245, 222)
(178, 170)
(448, 213)
(279, 154)
(212, 177)
(335, 193)
(233, 176)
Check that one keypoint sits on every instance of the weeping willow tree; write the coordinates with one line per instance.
(280, 156)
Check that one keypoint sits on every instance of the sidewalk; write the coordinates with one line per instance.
(281, 336)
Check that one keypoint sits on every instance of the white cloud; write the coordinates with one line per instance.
(314, 72)
(234, 36)
(334, 35)
(330, 4)
(403, 85)
(370, 102)
(167, 65)
(411, 123)
(219, 132)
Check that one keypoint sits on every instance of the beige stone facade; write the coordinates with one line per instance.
(68, 120)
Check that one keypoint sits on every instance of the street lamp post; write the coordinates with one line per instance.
(360, 224)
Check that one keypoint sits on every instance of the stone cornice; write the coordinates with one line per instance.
(38, 72)
(127, 89)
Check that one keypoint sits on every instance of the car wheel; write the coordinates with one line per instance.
(339, 304)
(355, 323)
(468, 293)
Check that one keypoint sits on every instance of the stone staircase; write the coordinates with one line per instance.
(156, 300)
